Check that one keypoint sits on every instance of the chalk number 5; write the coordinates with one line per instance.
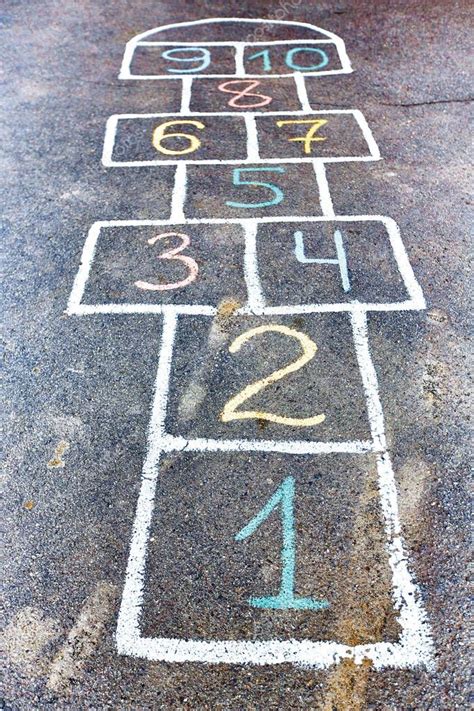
(278, 194)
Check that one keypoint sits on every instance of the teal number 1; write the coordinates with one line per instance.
(285, 600)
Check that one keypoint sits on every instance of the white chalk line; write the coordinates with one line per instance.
(249, 119)
(253, 155)
(369, 378)
(255, 299)
(236, 43)
(256, 304)
(172, 443)
(138, 40)
(178, 196)
(132, 598)
(235, 75)
(239, 60)
(186, 88)
(302, 93)
(325, 199)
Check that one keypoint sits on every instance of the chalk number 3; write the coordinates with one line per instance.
(309, 348)
(174, 254)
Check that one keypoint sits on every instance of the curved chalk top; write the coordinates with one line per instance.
(229, 38)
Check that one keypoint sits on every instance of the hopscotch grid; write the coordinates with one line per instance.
(76, 307)
(415, 645)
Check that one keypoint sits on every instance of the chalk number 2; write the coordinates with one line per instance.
(230, 411)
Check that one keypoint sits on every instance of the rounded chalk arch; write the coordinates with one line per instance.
(236, 34)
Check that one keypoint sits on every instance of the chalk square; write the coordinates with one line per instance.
(206, 95)
(128, 266)
(344, 261)
(406, 640)
(199, 578)
(205, 375)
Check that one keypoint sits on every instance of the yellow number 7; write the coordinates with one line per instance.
(310, 137)
(309, 348)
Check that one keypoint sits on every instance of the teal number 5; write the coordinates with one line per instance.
(278, 194)
(285, 600)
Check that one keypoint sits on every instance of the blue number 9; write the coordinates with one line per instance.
(204, 57)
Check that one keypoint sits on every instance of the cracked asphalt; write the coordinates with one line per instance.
(78, 389)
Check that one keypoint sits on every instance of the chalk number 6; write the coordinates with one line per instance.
(230, 411)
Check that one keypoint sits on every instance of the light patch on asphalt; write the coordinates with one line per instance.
(57, 461)
(413, 480)
(83, 639)
(24, 639)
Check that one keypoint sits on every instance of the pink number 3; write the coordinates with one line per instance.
(174, 253)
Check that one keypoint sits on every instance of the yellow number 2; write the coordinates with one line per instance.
(159, 136)
(309, 349)
(309, 138)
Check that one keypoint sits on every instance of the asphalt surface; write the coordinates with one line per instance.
(78, 389)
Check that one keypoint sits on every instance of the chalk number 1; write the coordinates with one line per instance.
(286, 599)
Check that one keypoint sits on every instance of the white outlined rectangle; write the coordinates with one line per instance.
(414, 646)
(112, 125)
(256, 302)
(238, 48)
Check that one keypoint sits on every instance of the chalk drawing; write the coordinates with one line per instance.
(159, 135)
(310, 136)
(173, 254)
(265, 54)
(204, 58)
(309, 348)
(256, 301)
(189, 61)
(341, 260)
(248, 90)
(285, 600)
(323, 59)
(357, 126)
(324, 39)
(237, 179)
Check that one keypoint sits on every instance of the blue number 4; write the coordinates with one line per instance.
(285, 600)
